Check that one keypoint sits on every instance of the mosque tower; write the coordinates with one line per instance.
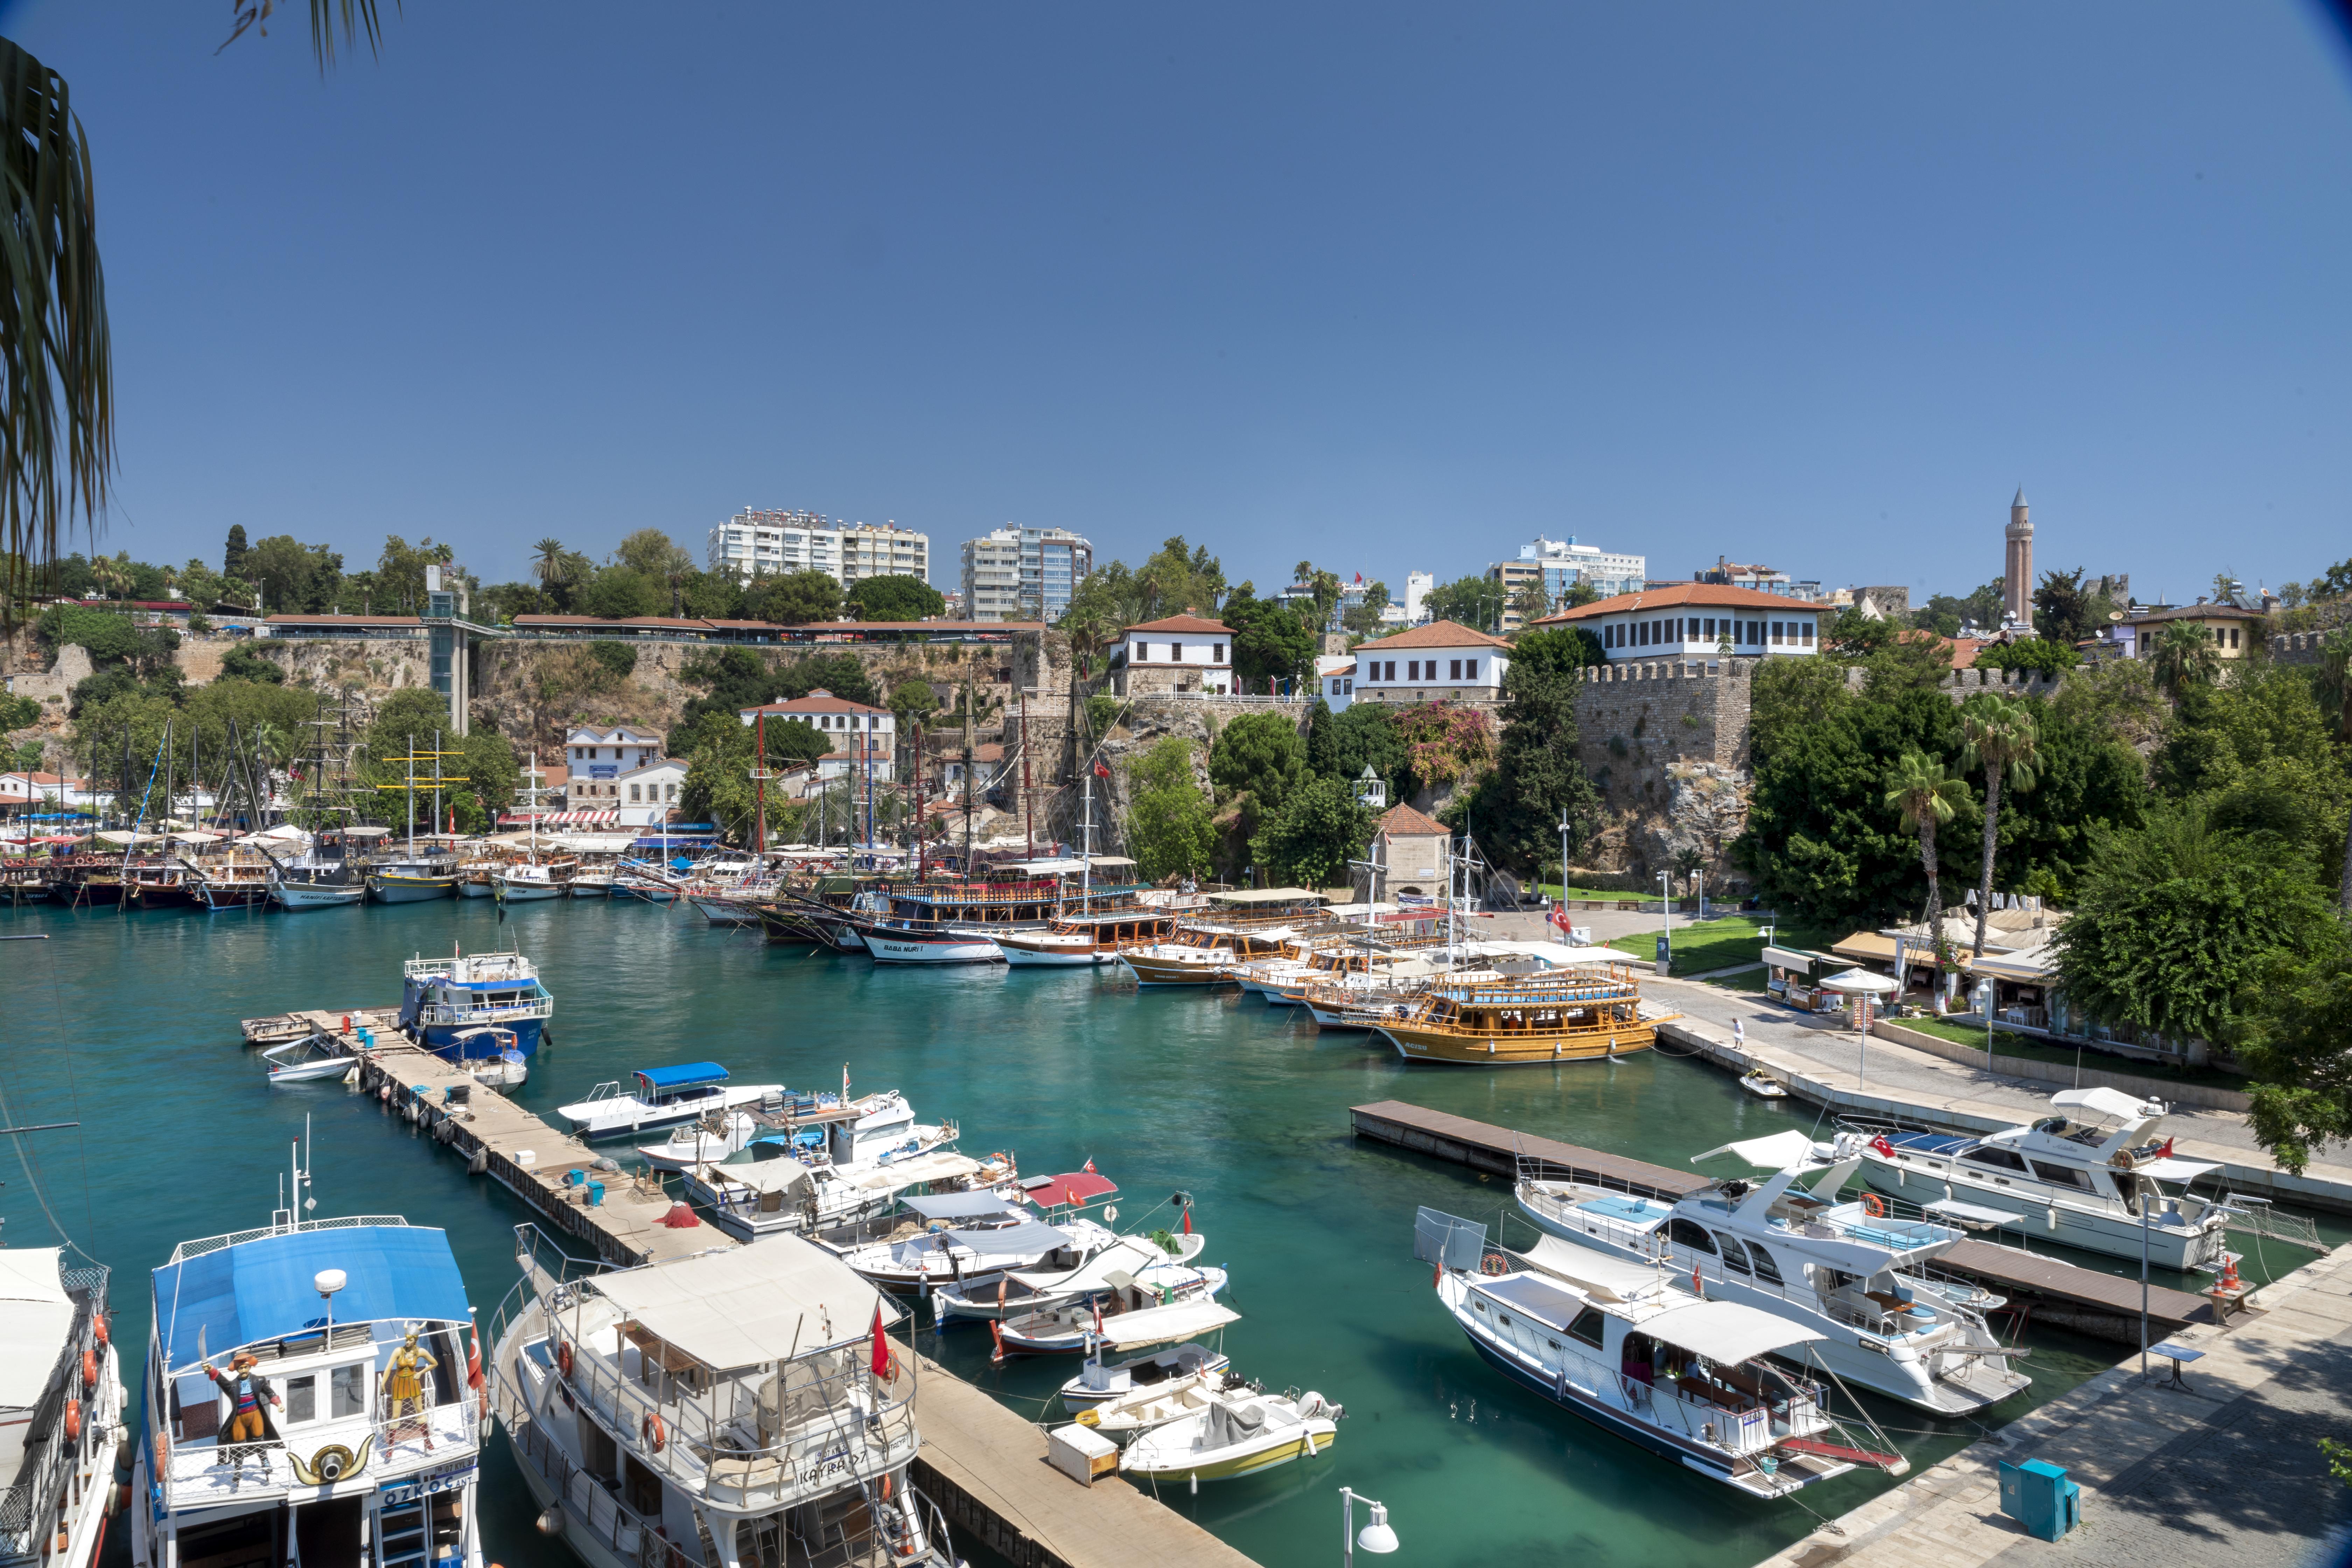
(2017, 566)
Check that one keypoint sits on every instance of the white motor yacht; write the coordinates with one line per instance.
(785, 1196)
(1016, 1292)
(1236, 1432)
(739, 1407)
(959, 1240)
(1858, 1281)
(2087, 1176)
(1626, 1347)
(662, 1097)
(716, 1136)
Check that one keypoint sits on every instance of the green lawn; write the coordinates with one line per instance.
(1701, 945)
(2008, 1043)
(1611, 894)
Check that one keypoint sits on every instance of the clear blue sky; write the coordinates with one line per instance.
(1389, 287)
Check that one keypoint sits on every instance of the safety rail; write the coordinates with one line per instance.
(436, 1013)
(588, 1499)
(193, 1470)
(188, 1249)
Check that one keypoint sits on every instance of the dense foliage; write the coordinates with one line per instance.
(896, 598)
(1272, 643)
(734, 679)
(1169, 829)
(1309, 842)
(1259, 755)
(1516, 812)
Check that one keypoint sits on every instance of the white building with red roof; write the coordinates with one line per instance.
(1696, 620)
(1180, 653)
(862, 736)
(1443, 661)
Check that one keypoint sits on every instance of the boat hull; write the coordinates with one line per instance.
(1054, 958)
(472, 889)
(2115, 1236)
(1503, 1049)
(304, 896)
(931, 947)
(1314, 1437)
(1176, 972)
(523, 892)
(409, 890)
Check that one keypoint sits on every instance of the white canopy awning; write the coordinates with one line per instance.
(1791, 958)
(1862, 982)
(1725, 1331)
(117, 836)
(936, 1166)
(779, 1176)
(1248, 895)
(34, 1325)
(1164, 1325)
(2109, 1102)
(1776, 1152)
(1598, 1275)
(781, 1298)
(1129, 1254)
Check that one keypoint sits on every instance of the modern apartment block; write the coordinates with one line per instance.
(776, 543)
(1013, 573)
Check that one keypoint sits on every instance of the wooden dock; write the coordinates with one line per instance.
(2104, 1305)
(981, 1463)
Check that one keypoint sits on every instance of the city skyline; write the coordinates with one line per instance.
(1614, 276)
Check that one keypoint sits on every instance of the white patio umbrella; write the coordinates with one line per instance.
(1861, 981)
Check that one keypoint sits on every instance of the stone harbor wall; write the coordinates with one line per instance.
(1636, 720)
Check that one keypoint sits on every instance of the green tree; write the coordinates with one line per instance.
(2296, 1043)
(898, 597)
(1364, 618)
(1579, 594)
(619, 592)
(1925, 795)
(1856, 635)
(912, 702)
(294, 578)
(2332, 691)
(557, 571)
(651, 555)
(16, 712)
(1168, 823)
(2184, 657)
(1473, 602)
(1529, 601)
(1310, 838)
(1272, 642)
(2002, 739)
(233, 556)
(795, 599)
(2063, 612)
(242, 663)
(1259, 755)
(1537, 778)
(1366, 735)
(400, 573)
(618, 657)
(711, 595)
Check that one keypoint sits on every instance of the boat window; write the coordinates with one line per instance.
(1587, 1327)
(347, 1391)
(301, 1399)
(1504, 1318)
(1476, 1305)
(1734, 1256)
(1687, 1233)
(1766, 1269)
(1999, 1159)
(2062, 1176)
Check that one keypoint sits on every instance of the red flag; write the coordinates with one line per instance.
(1881, 1147)
(1560, 916)
(1698, 1283)
(1188, 1220)
(2164, 1153)
(1089, 1166)
(881, 1348)
(1101, 771)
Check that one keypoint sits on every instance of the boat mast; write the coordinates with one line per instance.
(437, 781)
(411, 796)
(1087, 843)
(759, 785)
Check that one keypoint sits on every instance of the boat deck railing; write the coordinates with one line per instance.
(51, 1458)
(622, 1530)
(438, 1013)
(215, 1469)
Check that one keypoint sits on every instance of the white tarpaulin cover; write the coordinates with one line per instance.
(35, 1315)
(2112, 1102)
(1725, 1331)
(1777, 1152)
(1132, 1254)
(749, 1305)
(1164, 1325)
(1598, 1275)
(936, 1166)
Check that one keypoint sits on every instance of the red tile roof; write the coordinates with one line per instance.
(817, 701)
(1437, 633)
(1183, 623)
(1404, 822)
(1707, 595)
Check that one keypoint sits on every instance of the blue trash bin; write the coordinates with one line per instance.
(596, 1200)
(2038, 1495)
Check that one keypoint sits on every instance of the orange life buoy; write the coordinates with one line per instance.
(1873, 1205)
(1494, 1263)
(102, 1335)
(73, 1420)
(563, 1358)
(90, 1370)
(656, 1435)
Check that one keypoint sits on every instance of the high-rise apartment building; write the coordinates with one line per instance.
(1013, 573)
(777, 543)
(1561, 564)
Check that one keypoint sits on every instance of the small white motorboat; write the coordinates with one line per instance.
(1237, 1433)
(493, 1057)
(1162, 1373)
(1763, 1085)
(707, 1142)
(308, 1059)
(1159, 1305)
(1019, 1292)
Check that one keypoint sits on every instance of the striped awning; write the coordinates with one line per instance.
(564, 819)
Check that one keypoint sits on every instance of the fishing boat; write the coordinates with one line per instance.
(1019, 1292)
(444, 998)
(898, 942)
(709, 1140)
(1239, 1433)
(593, 882)
(477, 878)
(1158, 1304)
(1107, 1390)
(1625, 1347)
(748, 1397)
(1205, 952)
(754, 1200)
(1079, 942)
(66, 1432)
(306, 1060)
(644, 886)
(662, 1097)
(518, 881)
(2092, 1175)
(493, 1057)
(1591, 1013)
(413, 879)
(320, 877)
(1859, 1279)
(309, 1398)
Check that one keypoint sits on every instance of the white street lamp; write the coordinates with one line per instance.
(1377, 1536)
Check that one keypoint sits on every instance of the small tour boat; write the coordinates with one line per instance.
(413, 880)
(1239, 1433)
(521, 880)
(68, 1428)
(1159, 1304)
(592, 882)
(441, 998)
(787, 1198)
(662, 1097)
(1101, 1388)
(1205, 954)
(1082, 942)
(1591, 1013)
(493, 1057)
(962, 1240)
(900, 942)
(308, 1059)
(1625, 1346)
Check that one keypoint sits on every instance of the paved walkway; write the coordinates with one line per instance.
(2227, 1473)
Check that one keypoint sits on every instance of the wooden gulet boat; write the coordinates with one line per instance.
(1594, 1012)
(1205, 954)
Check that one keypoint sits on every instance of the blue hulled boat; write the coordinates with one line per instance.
(451, 1003)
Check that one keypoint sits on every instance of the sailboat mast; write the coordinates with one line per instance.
(411, 796)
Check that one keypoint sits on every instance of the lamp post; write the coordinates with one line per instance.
(1377, 1536)
(1665, 932)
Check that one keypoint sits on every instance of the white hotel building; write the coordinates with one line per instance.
(778, 544)
(1697, 620)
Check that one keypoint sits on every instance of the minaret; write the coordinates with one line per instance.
(2017, 566)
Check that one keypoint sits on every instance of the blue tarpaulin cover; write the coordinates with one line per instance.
(267, 1288)
(685, 1075)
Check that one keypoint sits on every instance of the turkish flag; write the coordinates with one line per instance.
(881, 1349)
(1101, 771)
(1881, 1147)
(1698, 1281)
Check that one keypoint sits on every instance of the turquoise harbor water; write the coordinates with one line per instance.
(128, 1025)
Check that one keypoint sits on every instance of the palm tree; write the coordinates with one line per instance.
(550, 561)
(2334, 688)
(2185, 655)
(56, 355)
(1925, 795)
(2003, 740)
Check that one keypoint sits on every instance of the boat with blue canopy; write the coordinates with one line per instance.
(663, 1096)
(446, 1002)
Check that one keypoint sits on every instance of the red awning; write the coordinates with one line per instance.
(565, 819)
(1071, 1187)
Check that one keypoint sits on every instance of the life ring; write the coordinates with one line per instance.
(73, 1420)
(90, 1370)
(1494, 1263)
(1873, 1205)
(656, 1435)
(101, 1328)
(563, 1358)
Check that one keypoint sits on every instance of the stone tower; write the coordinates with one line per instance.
(2017, 566)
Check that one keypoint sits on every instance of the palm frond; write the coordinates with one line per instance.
(348, 21)
(56, 438)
